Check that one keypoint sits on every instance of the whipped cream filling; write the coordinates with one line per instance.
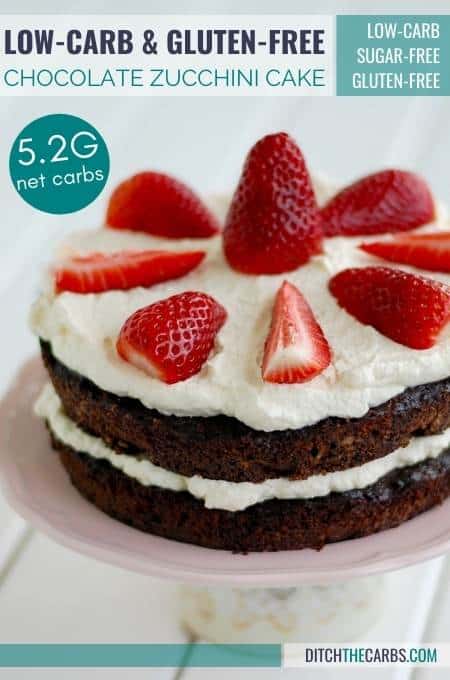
(367, 368)
(233, 496)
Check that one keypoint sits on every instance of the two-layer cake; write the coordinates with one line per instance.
(272, 386)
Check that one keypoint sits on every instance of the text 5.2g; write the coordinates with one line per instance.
(82, 145)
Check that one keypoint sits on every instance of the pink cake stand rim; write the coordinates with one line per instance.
(38, 488)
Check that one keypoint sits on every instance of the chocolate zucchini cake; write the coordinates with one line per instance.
(279, 384)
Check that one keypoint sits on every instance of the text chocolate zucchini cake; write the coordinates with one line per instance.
(281, 383)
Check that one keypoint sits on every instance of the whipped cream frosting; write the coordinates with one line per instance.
(234, 496)
(366, 370)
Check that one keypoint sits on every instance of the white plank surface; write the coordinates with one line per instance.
(6, 514)
(438, 625)
(56, 595)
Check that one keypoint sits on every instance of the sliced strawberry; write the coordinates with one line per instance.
(273, 224)
(425, 251)
(171, 339)
(296, 349)
(96, 273)
(387, 201)
(409, 309)
(161, 205)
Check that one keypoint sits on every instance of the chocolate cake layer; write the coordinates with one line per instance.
(220, 447)
(272, 525)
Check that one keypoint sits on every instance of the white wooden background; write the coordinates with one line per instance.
(49, 594)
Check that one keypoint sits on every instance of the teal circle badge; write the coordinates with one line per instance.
(59, 163)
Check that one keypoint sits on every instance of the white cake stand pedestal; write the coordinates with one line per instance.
(330, 595)
(336, 612)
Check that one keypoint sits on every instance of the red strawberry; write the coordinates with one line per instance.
(273, 224)
(296, 349)
(161, 205)
(409, 309)
(425, 251)
(96, 273)
(388, 201)
(171, 339)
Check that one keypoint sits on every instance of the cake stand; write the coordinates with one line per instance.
(329, 595)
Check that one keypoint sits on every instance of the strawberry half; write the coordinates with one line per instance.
(425, 251)
(296, 349)
(97, 272)
(387, 201)
(273, 224)
(161, 205)
(171, 339)
(409, 309)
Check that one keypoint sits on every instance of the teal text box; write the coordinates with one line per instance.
(139, 655)
(400, 38)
